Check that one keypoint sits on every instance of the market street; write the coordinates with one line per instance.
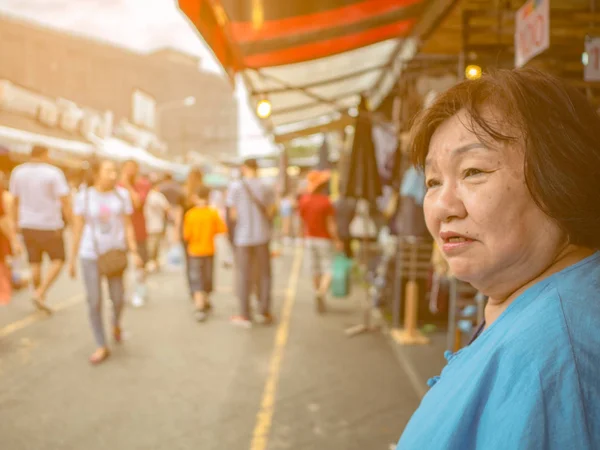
(177, 384)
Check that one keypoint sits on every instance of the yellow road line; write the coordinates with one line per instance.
(38, 316)
(264, 417)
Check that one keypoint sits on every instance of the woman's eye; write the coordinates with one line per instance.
(472, 171)
(432, 183)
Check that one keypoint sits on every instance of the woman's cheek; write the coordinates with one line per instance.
(430, 220)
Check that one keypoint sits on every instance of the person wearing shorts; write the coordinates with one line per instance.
(321, 237)
(41, 203)
(201, 224)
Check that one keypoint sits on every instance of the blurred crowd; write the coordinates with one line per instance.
(110, 219)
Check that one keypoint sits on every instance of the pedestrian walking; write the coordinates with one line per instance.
(156, 211)
(321, 236)
(201, 225)
(102, 233)
(193, 182)
(252, 206)
(9, 244)
(218, 200)
(41, 203)
(138, 189)
(286, 212)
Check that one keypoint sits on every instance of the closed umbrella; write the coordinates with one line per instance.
(362, 180)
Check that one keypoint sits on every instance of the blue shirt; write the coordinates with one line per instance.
(529, 381)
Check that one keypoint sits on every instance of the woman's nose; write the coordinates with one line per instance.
(448, 204)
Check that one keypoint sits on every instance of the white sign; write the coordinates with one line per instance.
(532, 30)
(144, 110)
(54, 112)
(591, 72)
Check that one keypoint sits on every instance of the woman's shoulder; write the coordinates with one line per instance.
(553, 334)
(83, 191)
(122, 191)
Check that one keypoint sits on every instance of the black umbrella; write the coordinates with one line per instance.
(362, 179)
(324, 163)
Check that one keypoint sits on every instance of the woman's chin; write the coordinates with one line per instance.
(465, 271)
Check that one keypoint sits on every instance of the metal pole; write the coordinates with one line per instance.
(462, 57)
(397, 290)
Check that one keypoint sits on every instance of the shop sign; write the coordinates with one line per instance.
(532, 30)
(54, 113)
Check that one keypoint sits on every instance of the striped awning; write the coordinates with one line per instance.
(312, 59)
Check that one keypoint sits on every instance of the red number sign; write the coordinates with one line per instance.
(532, 34)
(592, 68)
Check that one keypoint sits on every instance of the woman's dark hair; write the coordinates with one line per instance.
(560, 131)
(94, 169)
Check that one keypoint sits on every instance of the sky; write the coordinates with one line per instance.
(141, 25)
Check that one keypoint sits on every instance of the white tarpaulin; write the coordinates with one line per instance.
(26, 139)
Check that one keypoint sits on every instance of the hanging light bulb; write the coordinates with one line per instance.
(263, 108)
(258, 14)
(473, 72)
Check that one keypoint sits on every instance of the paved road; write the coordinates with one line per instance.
(175, 384)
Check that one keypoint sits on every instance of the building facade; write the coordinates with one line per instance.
(145, 90)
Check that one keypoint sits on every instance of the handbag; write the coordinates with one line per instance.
(340, 276)
(112, 263)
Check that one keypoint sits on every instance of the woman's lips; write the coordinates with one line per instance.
(456, 244)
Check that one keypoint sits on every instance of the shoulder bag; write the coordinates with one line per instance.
(261, 207)
(112, 263)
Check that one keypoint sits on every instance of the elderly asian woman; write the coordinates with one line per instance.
(512, 169)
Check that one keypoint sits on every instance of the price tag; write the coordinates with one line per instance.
(532, 30)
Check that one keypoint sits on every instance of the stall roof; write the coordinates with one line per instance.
(484, 30)
(311, 59)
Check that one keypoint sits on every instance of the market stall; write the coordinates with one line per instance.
(312, 60)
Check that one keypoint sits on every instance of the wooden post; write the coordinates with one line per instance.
(410, 335)
(411, 312)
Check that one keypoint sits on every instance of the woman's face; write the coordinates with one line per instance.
(107, 175)
(481, 214)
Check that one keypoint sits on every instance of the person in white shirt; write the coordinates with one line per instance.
(156, 210)
(41, 203)
(102, 224)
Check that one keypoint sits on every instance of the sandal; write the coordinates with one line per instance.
(41, 306)
(99, 356)
(117, 334)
